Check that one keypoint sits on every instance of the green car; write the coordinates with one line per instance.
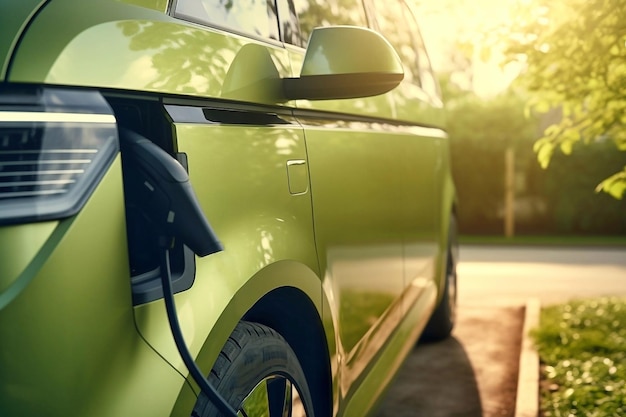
(281, 166)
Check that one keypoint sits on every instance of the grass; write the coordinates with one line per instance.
(580, 241)
(582, 349)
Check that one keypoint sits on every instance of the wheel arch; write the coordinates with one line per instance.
(292, 314)
(287, 297)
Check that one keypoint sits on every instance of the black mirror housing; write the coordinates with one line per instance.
(335, 65)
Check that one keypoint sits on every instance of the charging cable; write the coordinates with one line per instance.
(166, 278)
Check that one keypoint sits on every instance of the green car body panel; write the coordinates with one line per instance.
(12, 25)
(287, 186)
(79, 343)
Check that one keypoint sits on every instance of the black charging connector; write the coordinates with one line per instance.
(164, 194)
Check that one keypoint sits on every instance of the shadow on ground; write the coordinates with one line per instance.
(471, 374)
(434, 386)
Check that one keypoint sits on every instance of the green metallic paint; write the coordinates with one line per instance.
(261, 207)
(416, 158)
(64, 36)
(239, 175)
(335, 68)
(375, 231)
(254, 75)
(331, 51)
(149, 51)
(380, 371)
(73, 323)
(23, 243)
(14, 16)
(412, 160)
(145, 51)
(160, 5)
(407, 102)
(380, 106)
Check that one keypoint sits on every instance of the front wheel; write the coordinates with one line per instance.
(258, 373)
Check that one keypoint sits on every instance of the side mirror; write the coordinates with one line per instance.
(345, 62)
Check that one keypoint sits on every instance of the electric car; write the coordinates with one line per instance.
(213, 207)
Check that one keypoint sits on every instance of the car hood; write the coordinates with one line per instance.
(14, 17)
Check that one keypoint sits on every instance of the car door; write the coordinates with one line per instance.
(357, 168)
(418, 108)
(368, 188)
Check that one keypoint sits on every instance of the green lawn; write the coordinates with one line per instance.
(582, 349)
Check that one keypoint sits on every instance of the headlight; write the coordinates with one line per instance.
(55, 146)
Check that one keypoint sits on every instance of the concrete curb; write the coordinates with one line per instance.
(527, 401)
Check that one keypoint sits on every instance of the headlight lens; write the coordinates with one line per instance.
(55, 146)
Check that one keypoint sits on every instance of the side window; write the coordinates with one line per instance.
(314, 13)
(252, 17)
(391, 21)
(289, 29)
(396, 21)
(427, 77)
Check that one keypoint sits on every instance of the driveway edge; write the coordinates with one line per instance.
(527, 400)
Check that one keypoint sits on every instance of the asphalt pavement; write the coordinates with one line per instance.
(475, 372)
(491, 275)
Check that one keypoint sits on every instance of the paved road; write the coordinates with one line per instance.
(474, 373)
(471, 374)
(497, 276)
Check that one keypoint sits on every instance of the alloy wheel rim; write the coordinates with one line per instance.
(274, 396)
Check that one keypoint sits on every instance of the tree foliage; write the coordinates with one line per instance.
(574, 52)
(481, 129)
(548, 201)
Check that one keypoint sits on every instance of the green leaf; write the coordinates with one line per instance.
(615, 185)
(545, 150)
(566, 147)
(574, 54)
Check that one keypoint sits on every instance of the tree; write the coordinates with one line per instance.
(481, 130)
(575, 57)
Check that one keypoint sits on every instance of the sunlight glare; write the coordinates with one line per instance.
(449, 25)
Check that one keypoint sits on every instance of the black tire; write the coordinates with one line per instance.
(442, 321)
(256, 362)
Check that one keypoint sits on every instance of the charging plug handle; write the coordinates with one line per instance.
(162, 187)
